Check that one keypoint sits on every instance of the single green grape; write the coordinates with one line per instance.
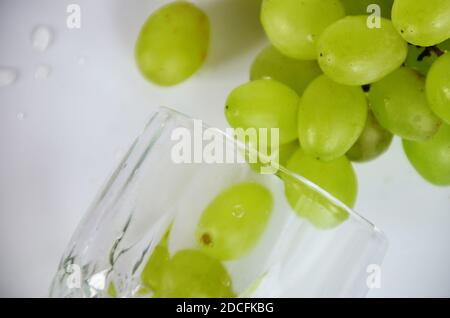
(359, 7)
(233, 222)
(399, 103)
(431, 158)
(337, 177)
(264, 103)
(296, 74)
(331, 117)
(372, 143)
(351, 53)
(423, 23)
(173, 43)
(438, 87)
(293, 26)
(152, 272)
(194, 274)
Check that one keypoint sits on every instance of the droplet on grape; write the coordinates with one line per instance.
(238, 211)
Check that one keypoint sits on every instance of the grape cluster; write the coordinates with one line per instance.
(364, 71)
(339, 80)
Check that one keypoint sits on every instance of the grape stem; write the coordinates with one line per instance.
(427, 51)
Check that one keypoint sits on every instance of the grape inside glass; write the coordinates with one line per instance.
(151, 208)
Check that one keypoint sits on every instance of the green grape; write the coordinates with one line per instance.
(372, 143)
(173, 43)
(336, 177)
(423, 23)
(286, 151)
(438, 87)
(296, 74)
(431, 158)
(359, 7)
(233, 222)
(444, 46)
(112, 290)
(353, 54)
(194, 274)
(331, 117)
(293, 26)
(152, 272)
(280, 155)
(400, 105)
(264, 104)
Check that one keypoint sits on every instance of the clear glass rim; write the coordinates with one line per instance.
(371, 227)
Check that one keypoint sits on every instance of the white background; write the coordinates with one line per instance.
(80, 120)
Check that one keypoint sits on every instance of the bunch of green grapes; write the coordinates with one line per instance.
(339, 80)
(327, 50)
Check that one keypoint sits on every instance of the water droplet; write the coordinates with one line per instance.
(21, 116)
(238, 211)
(42, 72)
(7, 76)
(41, 38)
(82, 60)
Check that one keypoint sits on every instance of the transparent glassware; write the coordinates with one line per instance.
(149, 192)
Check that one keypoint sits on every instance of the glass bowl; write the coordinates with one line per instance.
(150, 192)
